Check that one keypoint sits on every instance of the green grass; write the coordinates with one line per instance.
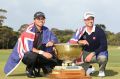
(112, 69)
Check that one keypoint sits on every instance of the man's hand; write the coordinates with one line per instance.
(89, 57)
(84, 42)
(50, 43)
(47, 55)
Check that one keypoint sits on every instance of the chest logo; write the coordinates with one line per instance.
(94, 38)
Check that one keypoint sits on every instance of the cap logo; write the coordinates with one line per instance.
(39, 14)
(88, 14)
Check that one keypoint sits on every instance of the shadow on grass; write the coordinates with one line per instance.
(20, 74)
(107, 73)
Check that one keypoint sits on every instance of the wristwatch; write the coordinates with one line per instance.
(40, 52)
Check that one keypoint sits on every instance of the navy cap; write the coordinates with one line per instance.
(39, 14)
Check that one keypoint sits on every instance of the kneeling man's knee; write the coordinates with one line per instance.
(102, 58)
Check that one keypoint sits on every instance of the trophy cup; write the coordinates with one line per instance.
(69, 70)
(68, 53)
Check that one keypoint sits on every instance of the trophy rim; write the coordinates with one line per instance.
(65, 44)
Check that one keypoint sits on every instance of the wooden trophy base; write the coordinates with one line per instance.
(68, 74)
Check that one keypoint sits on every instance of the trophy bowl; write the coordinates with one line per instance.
(68, 52)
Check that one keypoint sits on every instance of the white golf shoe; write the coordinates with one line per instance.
(101, 74)
(90, 71)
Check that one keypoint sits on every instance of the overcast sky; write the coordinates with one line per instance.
(62, 14)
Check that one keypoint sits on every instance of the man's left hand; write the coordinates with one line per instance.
(89, 57)
(50, 43)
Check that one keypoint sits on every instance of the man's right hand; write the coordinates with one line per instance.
(47, 55)
(84, 42)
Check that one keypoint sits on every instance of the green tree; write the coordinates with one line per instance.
(7, 37)
(102, 26)
(62, 35)
(2, 16)
(22, 28)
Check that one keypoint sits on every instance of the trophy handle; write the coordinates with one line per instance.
(56, 52)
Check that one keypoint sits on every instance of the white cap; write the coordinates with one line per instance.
(88, 14)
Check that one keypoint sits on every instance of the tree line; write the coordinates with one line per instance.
(9, 37)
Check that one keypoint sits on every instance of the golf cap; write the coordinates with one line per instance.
(39, 14)
(88, 14)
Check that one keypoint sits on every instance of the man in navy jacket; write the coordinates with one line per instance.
(94, 44)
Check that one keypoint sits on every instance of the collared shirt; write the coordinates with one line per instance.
(38, 39)
(93, 30)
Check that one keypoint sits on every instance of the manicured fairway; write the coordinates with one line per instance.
(112, 70)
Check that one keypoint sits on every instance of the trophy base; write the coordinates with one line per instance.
(69, 73)
(68, 68)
